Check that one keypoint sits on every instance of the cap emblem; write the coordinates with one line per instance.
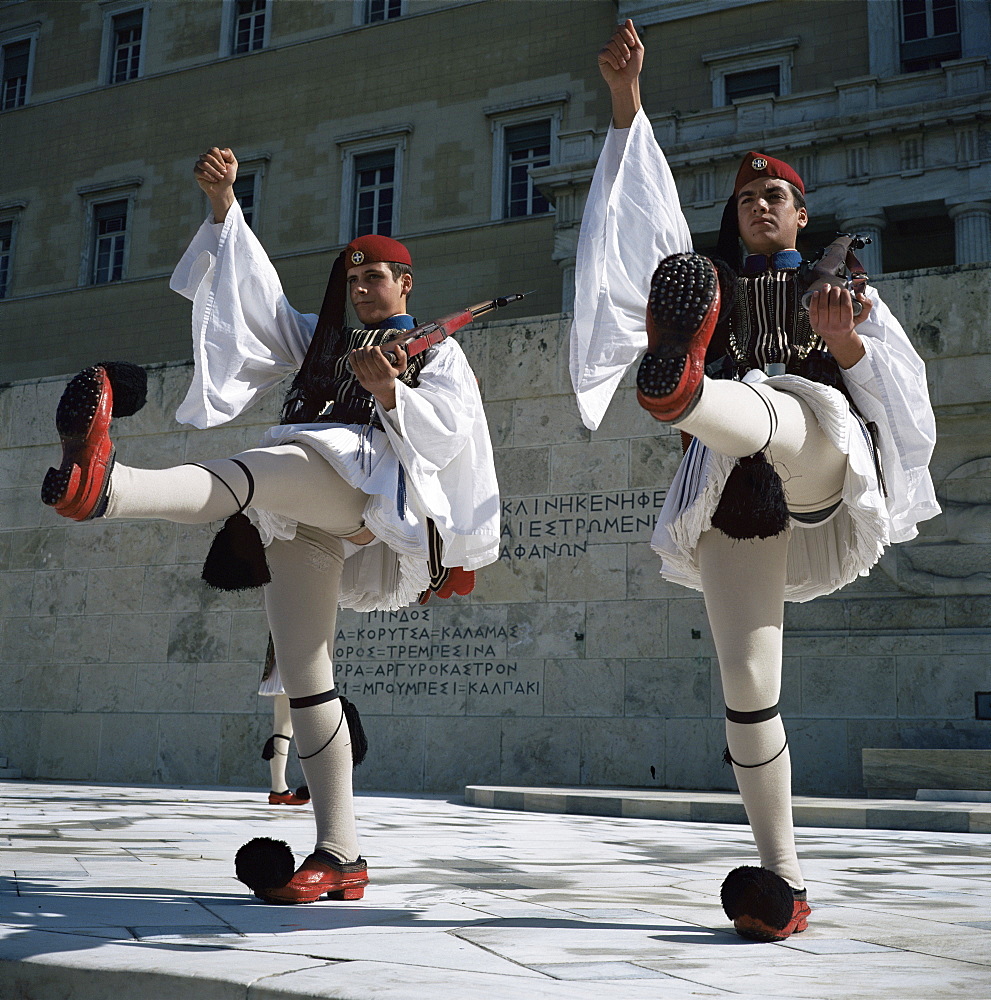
(758, 163)
(357, 257)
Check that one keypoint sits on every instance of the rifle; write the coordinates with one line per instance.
(427, 334)
(831, 266)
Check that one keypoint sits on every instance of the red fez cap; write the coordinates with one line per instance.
(375, 250)
(757, 165)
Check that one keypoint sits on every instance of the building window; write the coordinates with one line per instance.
(930, 34)
(249, 25)
(751, 82)
(527, 145)
(16, 57)
(805, 164)
(381, 10)
(524, 140)
(857, 162)
(371, 181)
(911, 154)
(109, 241)
(967, 142)
(703, 188)
(752, 70)
(125, 39)
(6, 255)
(244, 192)
(374, 192)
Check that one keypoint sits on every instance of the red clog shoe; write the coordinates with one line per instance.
(756, 930)
(318, 876)
(681, 317)
(78, 487)
(300, 797)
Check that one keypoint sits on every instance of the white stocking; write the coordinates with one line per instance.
(281, 726)
(289, 479)
(743, 583)
(301, 602)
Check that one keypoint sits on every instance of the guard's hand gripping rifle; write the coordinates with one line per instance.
(831, 266)
(426, 335)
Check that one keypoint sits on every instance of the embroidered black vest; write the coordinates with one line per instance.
(769, 325)
(325, 390)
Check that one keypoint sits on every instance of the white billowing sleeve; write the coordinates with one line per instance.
(441, 437)
(632, 221)
(246, 336)
(888, 386)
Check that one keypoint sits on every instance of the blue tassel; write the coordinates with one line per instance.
(401, 494)
(363, 453)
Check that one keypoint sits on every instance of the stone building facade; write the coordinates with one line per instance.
(479, 154)
(572, 661)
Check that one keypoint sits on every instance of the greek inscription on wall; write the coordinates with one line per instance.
(565, 525)
(408, 654)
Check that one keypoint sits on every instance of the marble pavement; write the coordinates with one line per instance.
(127, 891)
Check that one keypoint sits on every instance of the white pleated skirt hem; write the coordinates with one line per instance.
(383, 577)
(821, 557)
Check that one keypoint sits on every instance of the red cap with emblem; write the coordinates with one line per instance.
(756, 165)
(374, 249)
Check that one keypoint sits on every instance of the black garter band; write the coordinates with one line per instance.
(269, 751)
(772, 417)
(314, 699)
(247, 474)
(318, 699)
(751, 719)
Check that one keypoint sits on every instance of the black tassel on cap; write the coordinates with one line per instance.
(236, 560)
(753, 503)
(359, 742)
(264, 863)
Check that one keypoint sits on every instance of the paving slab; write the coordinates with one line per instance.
(128, 891)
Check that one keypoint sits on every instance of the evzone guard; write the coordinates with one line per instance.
(377, 488)
(810, 431)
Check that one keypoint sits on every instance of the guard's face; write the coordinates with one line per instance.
(768, 218)
(376, 294)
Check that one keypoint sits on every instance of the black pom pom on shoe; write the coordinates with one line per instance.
(264, 863)
(753, 503)
(129, 384)
(759, 894)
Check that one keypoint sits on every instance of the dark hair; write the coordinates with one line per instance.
(796, 196)
(398, 270)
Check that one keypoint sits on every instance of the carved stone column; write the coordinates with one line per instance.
(972, 229)
(872, 226)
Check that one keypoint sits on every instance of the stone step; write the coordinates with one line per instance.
(726, 807)
(9, 773)
(892, 772)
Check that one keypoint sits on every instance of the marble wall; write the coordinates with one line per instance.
(573, 662)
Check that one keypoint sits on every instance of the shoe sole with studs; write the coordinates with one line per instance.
(681, 315)
(78, 488)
